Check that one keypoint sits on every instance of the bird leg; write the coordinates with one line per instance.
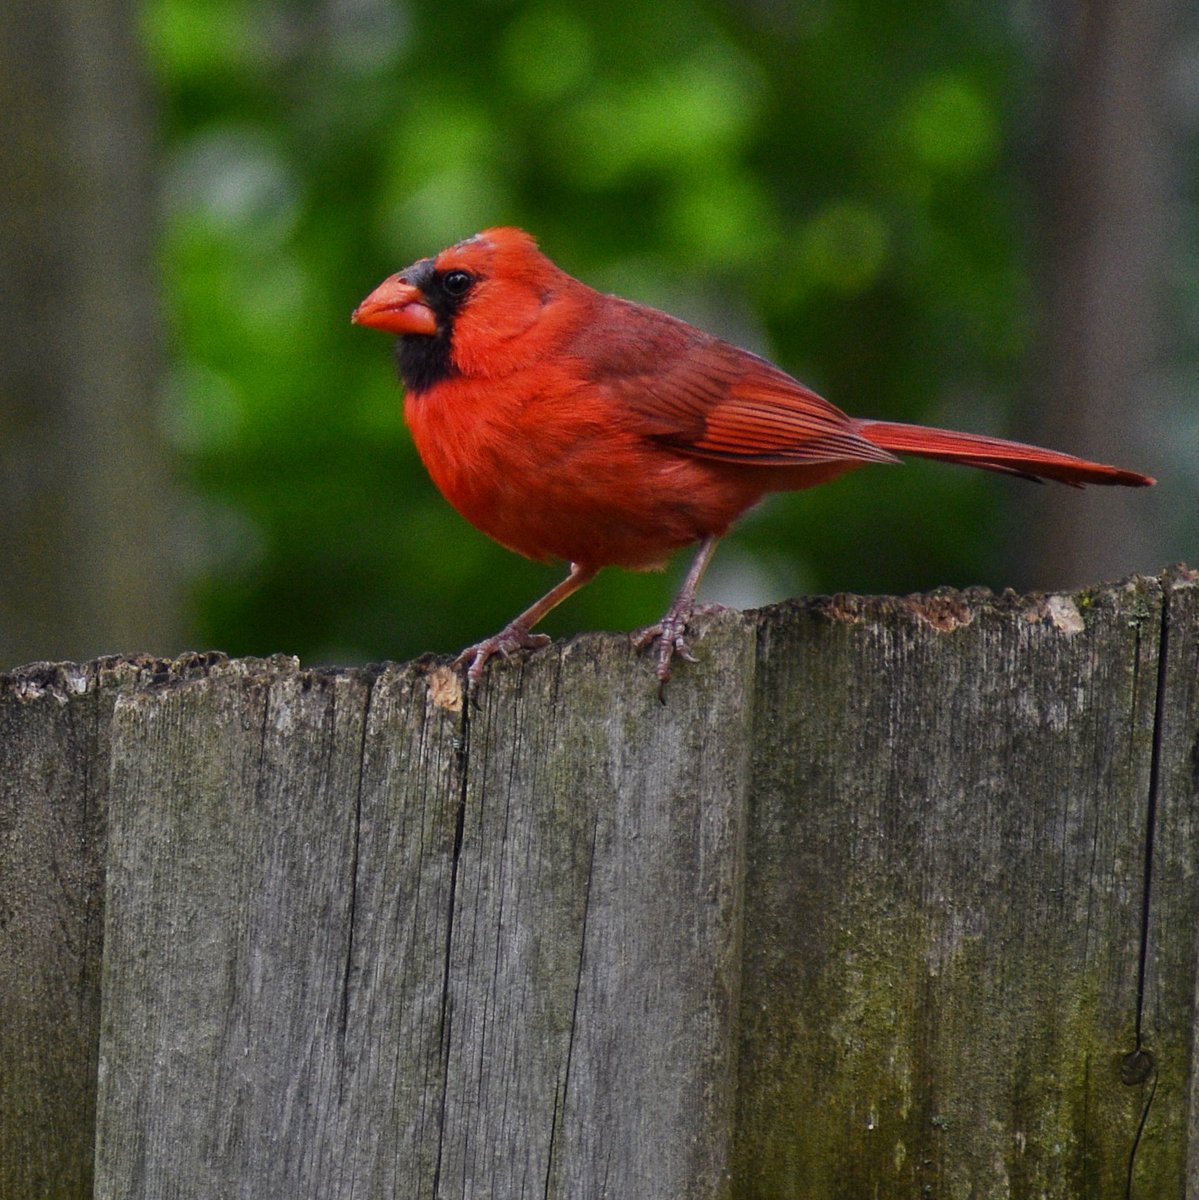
(670, 632)
(515, 635)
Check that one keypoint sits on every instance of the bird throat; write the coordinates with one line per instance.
(424, 361)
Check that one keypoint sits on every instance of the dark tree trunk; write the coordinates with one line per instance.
(84, 485)
(1110, 203)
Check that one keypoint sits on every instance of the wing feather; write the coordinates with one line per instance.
(685, 389)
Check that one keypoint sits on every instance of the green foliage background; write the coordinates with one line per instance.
(833, 185)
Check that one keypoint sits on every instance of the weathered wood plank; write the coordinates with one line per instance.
(594, 963)
(51, 891)
(54, 749)
(945, 901)
(232, 1062)
(891, 898)
(1171, 942)
(393, 1021)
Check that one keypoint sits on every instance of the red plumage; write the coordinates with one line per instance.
(568, 424)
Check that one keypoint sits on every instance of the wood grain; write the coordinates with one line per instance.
(943, 984)
(891, 898)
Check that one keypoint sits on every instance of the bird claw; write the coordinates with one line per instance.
(509, 641)
(670, 634)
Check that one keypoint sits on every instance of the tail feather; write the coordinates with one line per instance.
(995, 454)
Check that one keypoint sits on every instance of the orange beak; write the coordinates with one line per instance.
(396, 306)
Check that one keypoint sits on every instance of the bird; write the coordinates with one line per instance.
(571, 425)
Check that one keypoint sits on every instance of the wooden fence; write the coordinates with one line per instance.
(892, 898)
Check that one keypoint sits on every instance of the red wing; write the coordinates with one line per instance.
(707, 398)
(766, 418)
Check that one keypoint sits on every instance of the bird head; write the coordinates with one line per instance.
(465, 311)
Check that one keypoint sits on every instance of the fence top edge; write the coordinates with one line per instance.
(943, 607)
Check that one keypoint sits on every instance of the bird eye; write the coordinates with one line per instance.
(457, 283)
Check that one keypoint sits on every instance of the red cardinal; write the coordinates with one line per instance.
(568, 424)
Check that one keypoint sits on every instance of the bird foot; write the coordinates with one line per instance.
(671, 635)
(511, 639)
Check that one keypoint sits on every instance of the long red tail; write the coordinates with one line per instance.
(995, 454)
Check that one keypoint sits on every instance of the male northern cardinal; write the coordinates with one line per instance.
(573, 425)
